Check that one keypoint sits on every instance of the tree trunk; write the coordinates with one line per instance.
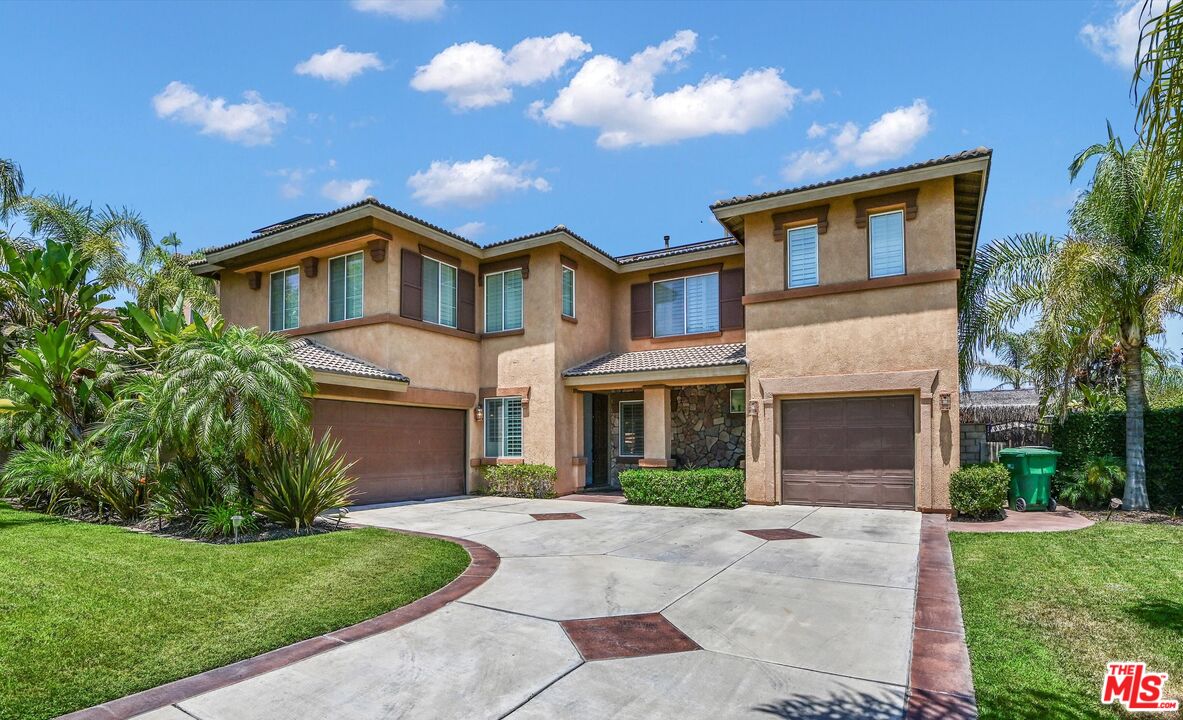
(1135, 497)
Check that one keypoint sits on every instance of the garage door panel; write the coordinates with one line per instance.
(399, 452)
(855, 452)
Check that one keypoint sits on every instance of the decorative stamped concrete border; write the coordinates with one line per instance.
(484, 563)
(941, 684)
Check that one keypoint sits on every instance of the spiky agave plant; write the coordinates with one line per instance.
(297, 485)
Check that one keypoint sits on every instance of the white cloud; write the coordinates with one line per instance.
(293, 181)
(815, 95)
(339, 64)
(1116, 41)
(473, 75)
(251, 122)
(893, 135)
(402, 9)
(472, 183)
(618, 98)
(346, 191)
(470, 229)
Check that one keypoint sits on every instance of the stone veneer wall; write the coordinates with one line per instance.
(974, 446)
(706, 433)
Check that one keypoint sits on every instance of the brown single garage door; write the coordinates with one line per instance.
(400, 452)
(848, 451)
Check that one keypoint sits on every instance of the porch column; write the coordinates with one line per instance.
(658, 427)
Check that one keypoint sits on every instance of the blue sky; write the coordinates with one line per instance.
(213, 119)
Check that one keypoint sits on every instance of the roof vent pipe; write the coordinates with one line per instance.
(667, 240)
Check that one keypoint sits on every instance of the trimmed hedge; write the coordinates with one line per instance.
(701, 488)
(979, 490)
(526, 480)
(1083, 435)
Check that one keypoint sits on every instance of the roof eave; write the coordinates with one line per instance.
(332, 220)
(851, 187)
(643, 376)
(359, 381)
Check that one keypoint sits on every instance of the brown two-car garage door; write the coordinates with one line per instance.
(400, 452)
(848, 451)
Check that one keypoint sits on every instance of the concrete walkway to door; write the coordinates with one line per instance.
(627, 612)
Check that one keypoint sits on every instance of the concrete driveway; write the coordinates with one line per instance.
(699, 619)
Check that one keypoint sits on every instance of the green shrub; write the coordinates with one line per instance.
(1092, 485)
(216, 520)
(1086, 435)
(527, 480)
(704, 487)
(297, 485)
(48, 479)
(979, 490)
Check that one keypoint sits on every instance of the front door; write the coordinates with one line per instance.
(599, 444)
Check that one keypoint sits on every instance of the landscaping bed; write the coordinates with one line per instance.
(1044, 612)
(90, 613)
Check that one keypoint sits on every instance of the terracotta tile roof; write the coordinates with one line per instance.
(311, 217)
(315, 356)
(677, 250)
(978, 152)
(672, 359)
(555, 229)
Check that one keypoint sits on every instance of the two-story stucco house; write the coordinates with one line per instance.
(815, 346)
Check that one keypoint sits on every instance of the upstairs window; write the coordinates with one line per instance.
(684, 306)
(503, 427)
(569, 291)
(345, 287)
(439, 293)
(802, 256)
(632, 428)
(503, 301)
(887, 243)
(285, 299)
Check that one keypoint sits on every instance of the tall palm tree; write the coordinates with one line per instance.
(101, 234)
(12, 186)
(1110, 280)
(1158, 89)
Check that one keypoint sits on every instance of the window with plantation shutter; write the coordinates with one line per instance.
(683, 306)
(439, 292)
(503, 301)
(802, 256)
(285, 299)
(887, 243)
(632, 428)
(346, 286)
(503, 427)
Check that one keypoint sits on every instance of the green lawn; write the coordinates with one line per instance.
(89, 613)
(1045, 611)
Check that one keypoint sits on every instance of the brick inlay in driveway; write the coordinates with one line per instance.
(556, 516)
(778, 534)
(627, 636)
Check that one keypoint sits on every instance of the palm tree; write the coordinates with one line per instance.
(162, 275)
(1107, 282)
(100, 234)
(1158, 89)
(12, 186)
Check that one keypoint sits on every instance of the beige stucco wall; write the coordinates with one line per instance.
(862, 335)
(622, 340)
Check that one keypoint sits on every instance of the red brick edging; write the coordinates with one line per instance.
(484, 563)
(941, 684)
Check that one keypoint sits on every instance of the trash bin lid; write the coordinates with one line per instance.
(1028, 451)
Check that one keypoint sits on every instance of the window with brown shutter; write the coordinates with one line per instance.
(642, 311)
(731, 299)
(410, 303)
(466, 300)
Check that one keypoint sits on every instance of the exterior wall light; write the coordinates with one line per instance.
(946, 401)
(753, 408)
(478, 413)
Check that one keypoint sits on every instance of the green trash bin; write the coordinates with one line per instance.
(1031, 470)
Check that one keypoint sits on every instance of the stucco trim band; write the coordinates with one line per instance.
(853, 383)
(320, 376)
(856, 286)
(378, 319)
